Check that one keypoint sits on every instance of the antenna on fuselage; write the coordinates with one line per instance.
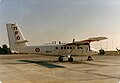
(73, 40)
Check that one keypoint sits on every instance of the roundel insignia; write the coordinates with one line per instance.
(37, 49)
(18, 37)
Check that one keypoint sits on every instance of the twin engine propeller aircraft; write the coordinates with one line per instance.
(19, 44)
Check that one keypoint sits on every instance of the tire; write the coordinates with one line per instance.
(60, 59)
(70, 59)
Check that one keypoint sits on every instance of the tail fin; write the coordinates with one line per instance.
(16, 38)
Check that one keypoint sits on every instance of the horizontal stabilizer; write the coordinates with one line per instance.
(22, 41)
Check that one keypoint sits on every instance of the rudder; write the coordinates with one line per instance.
(16, 39)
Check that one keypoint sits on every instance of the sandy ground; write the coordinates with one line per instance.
(29, 68)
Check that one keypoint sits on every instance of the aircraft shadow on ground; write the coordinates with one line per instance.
(43, 63)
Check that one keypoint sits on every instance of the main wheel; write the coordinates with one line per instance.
(70, 59)
(60, 58)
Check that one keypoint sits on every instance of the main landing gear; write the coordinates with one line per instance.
(60, 58)
(70, 59)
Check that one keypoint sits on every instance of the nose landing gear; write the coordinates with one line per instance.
(89, 58)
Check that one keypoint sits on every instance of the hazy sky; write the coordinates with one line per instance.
(43, 21)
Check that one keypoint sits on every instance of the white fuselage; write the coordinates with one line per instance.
(19, 44)
(57, 49)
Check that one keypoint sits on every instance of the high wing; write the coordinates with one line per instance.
(93, 39)
(87, 41)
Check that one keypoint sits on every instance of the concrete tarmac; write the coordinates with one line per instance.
(29, 68)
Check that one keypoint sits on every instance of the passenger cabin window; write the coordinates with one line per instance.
(67, 47)
(70, 47)
(64, 47)
(61, 47)
(81, 48)
(56, 48)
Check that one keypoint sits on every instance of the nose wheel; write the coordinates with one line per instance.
(89, 58)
